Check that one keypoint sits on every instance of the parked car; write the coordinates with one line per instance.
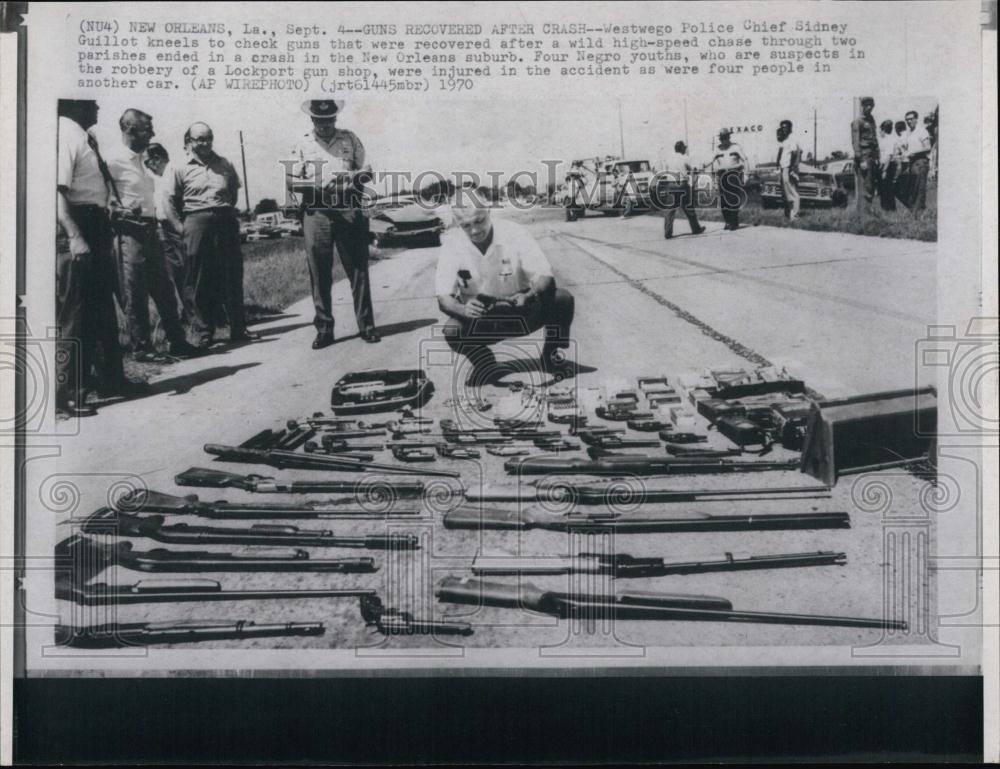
(762, 173)
(844, 171)
(402, 220)
(816, 188)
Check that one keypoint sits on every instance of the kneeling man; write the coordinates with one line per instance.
(494, 282)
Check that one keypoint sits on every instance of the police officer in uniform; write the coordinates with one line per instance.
(328, 169)
(864, 137)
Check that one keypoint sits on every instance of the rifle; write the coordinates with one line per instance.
(290, 459)
(622, 566)
(113, 635)
(179, 590)
(607, 441)
(631, 605)
(107, 521)
(395, 622)
(637, 465)
(83, 550)
(145, 501)
(506, 520)
(598, 494)
(262, 484)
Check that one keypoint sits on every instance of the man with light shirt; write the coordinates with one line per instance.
(730, 164)
(329, 165)
(674, 191)
(494, 282)
(918, 143)
(141, 265)
(789, 153)
(207, 187)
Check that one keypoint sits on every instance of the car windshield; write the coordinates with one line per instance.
(632, 166)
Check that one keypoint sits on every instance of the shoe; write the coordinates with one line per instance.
(124, 389)
(323, 340)
(698, 231)
(667, 237)
(70, 408)
(185, 350)
(371, 336)
(244, 336)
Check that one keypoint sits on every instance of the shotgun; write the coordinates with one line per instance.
(631, 605)
(145, 501)
(623, 566)
(108, 521)
(637, 465)
(514, 520)
(291, 459)
(261, 484)
(114, 635)
(606, 494)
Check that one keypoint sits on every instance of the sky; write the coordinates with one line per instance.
(418, 135)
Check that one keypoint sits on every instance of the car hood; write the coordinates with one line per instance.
(407, 215)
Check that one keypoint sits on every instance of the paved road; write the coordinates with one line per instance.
(842, 311)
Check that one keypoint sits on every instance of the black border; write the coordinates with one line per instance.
(500, 720)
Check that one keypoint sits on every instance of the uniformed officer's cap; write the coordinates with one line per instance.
(785, 124)
(725, 132)
(867, 100)
(322, 108)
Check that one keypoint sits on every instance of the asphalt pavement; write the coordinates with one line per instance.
(842, 312)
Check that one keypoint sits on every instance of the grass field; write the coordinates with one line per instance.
(901, 223)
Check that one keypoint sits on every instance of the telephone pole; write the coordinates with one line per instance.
(815, 152)
(621, 129)
(246, 182)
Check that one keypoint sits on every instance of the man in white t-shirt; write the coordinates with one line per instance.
(789, 153)
(494, 282)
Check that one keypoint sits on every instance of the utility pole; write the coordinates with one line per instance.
(815, 152)
(621, 129)
(246, 182)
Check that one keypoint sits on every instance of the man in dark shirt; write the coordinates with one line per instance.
(864, 138)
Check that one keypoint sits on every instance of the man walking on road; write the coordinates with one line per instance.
(329, 163)
(730, 163)
(139, 252)
(789, 153)
(207, 187)
(675, 191)
(494, 282)
(864, 139)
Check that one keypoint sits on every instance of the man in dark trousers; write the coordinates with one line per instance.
(864, 138)
(207, 186)
(730, 164)
(329, 164)
(85, 271)
(141, 262)
(674, 190)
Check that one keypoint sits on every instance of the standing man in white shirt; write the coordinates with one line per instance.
(730, 163)
(157, 160)
(494, 282)
(329, 164)
(918, 142)
(890, 168)
(789, 153)
(675, 190)
(139, 253)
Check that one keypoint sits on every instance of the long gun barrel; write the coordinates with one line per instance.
(597, 494)
(86, 553)
(180, 631)
(522, 520)
(105, 521)
(145, 501)
(291, 459)
(632, 605)
(625, 566)
(181, 590)
(220, 479)
(637, 465)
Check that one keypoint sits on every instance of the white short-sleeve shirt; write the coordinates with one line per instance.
(78, 173)
(511, 264)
